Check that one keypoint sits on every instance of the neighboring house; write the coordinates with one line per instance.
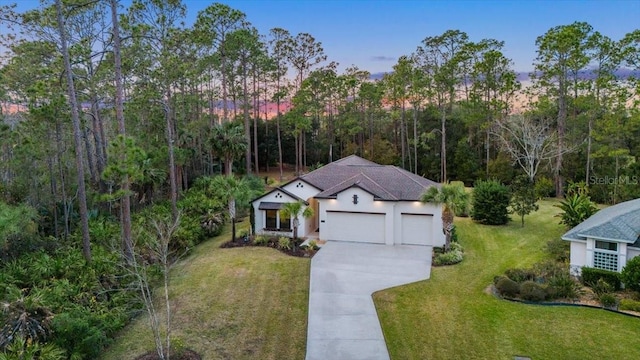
(606, 240)
(354, 199)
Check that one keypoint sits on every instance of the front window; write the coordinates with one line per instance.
(606, 255)
(285, 222)
(272, 219)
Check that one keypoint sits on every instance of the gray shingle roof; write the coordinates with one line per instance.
(619, 222)
(385, 182)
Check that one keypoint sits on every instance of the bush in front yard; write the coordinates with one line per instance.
(507, 287)
(284, 243)
(520, 275)
(608, 300)
(563, 286)
(628, 304)
(532, 291)
(449, 258)
(631, 274)
(490, 203)
(590, 277)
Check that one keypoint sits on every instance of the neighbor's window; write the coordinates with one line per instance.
(272, 219)
(606, 245)
(285, 222)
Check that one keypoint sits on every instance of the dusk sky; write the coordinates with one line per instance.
(373, 34)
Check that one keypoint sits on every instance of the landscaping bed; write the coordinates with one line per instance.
(292, 247)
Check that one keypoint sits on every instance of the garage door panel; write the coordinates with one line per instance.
(357, 227)
(417, 229)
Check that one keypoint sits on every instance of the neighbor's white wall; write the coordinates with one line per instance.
(578, 257)
(417, 207)
(632, 252)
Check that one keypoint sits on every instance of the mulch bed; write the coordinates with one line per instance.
(185, 354)
(273, 243)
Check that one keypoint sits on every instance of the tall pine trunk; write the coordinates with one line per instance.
(77, 136)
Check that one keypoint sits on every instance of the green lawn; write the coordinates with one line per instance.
(241, 303)
(451, 317)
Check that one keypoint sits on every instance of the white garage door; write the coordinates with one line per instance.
(358, 227)
(417, 229)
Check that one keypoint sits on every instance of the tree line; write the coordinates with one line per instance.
(141, 105)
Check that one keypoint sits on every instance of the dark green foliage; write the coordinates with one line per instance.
(520, 275)
(501, 168)
(608, 300)
(532, 291)
(544, 187)
(563, 286)
(558, 249)
(630, 274)
(523, 197)
(602, 287)
(576, 208)
(490, 202)
(81, 333)
(507, 287)
(590, 277)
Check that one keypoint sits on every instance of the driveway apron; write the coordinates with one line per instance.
(343, 323)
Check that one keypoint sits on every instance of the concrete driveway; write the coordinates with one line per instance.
(343, 324)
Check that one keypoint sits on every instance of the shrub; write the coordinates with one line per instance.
(549, 269)
(628, 304)
(630, 275)
(313, 245)
(520, 275)
(563, 286)
(608, 300)
(602, 287)
(590, 277)
(448, 258)
(461, 204)
(575, 209)
(507, 287)
(490, 202)
(532, 291)
(544, 187)
(261, 240)
(558, 249)
(284, 243)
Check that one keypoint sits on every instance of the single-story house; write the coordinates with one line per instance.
(606, 240)
(356, 200)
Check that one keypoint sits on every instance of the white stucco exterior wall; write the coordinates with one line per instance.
(578, 256)
(392, 211)
(632, 252)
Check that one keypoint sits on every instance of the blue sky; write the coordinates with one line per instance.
(372, 34)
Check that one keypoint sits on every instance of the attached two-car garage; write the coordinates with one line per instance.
(365, 227)
(355, 226)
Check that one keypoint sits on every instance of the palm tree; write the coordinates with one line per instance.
(293, 210)
(228, 142)
(453, 199)
(233, 189)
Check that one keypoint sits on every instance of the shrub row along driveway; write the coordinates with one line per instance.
(343, 323)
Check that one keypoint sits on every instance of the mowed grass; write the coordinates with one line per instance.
(240, 303)
(450, 316)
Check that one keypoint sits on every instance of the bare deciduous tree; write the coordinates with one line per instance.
(528, 141)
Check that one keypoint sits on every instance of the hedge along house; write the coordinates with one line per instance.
(606, 240)
(355, 200)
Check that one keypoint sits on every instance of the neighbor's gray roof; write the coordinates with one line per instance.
(384, 182)
(619, 222)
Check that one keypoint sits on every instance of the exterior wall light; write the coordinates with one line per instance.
(355, 199)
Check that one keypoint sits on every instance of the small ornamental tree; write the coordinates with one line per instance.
(630, 274)
(490, 202)
(454, 200)
(294, 210)
(523, 197)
